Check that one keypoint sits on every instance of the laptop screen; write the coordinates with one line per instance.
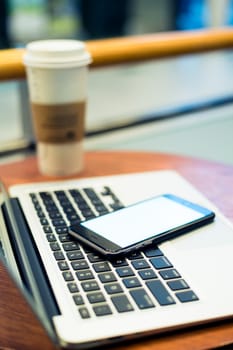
(13, 256)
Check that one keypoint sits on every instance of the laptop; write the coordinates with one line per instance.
(82, 299)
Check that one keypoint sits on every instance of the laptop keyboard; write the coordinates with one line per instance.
(142, 280)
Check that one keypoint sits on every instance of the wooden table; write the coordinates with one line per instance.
(19, 328)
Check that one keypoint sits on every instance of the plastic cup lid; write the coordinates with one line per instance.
(56, 54)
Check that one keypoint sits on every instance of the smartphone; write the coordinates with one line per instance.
(147, 222)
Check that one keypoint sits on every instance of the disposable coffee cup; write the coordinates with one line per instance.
(57, 79)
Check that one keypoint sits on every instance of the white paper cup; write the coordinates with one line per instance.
(57, 80)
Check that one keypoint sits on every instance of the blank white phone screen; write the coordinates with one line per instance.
(141, 221)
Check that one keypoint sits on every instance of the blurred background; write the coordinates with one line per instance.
(22, 20)
(187, 87)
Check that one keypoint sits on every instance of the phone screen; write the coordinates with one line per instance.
(144, 220)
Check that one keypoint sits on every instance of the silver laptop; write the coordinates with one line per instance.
(84, 300)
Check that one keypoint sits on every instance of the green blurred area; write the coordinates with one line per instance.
(41, 19)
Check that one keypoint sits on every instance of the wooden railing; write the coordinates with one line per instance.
(133, 48)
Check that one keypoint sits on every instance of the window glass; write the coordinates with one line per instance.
(10, 118)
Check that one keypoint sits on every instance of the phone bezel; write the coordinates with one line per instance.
(111, 249)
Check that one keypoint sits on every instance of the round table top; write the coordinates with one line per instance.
(211, 178)
(214, 180)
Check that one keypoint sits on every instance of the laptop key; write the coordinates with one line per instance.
(113, 288)
(37, 206)
(55, 215)
(105, 192)
(58, 222)
(80, 265)
(40, 214)
(54, 246)
(131, 282)
(107, 277)
(141, 298)
(152, 252)
(102, 310)
(68, 209)
(101, 209)
(63, 266)
(73, 218)
(75, 255)
(51, 238)
(67, 276)
(70, 246)
(82, 205)
(90, 192)
(44, 222)
(90, 286)
(101, 266)
(61, 230)
(160, 293)
(33, 197)
(84, 275)
(140, 264)
(64, 203)
(160, 262)
(78, 299)
(135, 255)
(60, 193)
(169, 274)
(45, 195)
(73, 288)
(50, 206)
(76, 194)
(59, 255)
(47, 229)
(88, 214)
(125, 271)
(64, 237)
(122, 303)
(187, 296)
(119, 262)
(96, 297)
(84, 313)
(116, 206)
(178, 284)
(92, 257)
(147, 274)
